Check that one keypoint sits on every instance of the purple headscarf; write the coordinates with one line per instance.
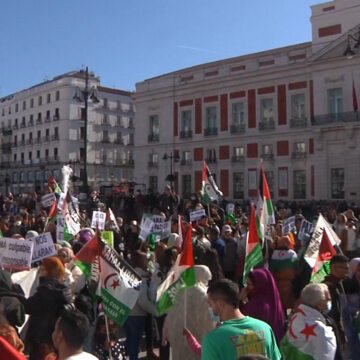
(264, 302)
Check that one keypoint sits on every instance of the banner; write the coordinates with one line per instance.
(43, 247)
(16, 254)
(120, 285)
(154, 224)
(98, 220)
(48, 199)
(196, 215)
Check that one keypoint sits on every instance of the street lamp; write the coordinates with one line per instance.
(349, 52)
(173, 158)
(84, 95)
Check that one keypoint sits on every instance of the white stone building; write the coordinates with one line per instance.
(43, 128)
(293, 107)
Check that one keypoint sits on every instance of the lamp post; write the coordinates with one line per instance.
(173, 158)
(349, 51)
(83, 95)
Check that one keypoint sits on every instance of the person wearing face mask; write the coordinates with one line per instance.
(237, 335)
(309, 335)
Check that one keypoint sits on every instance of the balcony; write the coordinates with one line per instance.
(31, 123)
(210, 131)
(267, 124)
(153, 137)
(47, 119)
(6, 131)
(336, 119)
(153, 164)
(37, 141)
(298, 122)
(46, 138)
(185, 134)
(267, 156)
(237, 128)
(16, 126)
(56, 117)
(29, 141)
(237, 158)
(22, 143)
(185, 162)
(211, 160)
(38, 120)
(55, 137)
(298, 155)
(22, 125)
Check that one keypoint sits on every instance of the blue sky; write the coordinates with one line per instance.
(127, 41)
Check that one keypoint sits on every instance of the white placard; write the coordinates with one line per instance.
(98, 220)
(197, 214)
(230, 207)
(47, 200)
(145, 228)
(288, 225)
(43, 247)
(15, 254)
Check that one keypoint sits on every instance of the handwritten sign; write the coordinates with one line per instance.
(15, 254)
(197, 214)
(43, 247)
(98, 220)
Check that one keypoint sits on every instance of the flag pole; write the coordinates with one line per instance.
(108, 335)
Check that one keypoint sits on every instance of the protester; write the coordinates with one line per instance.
(308, 335)
(238, 334)
(261, 300)
(69, 335)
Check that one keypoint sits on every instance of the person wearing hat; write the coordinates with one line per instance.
(44, 307)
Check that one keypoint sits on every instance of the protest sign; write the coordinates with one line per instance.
(60, 223)
(145, 228)
(98, 220)
(197, 214)
(47, 200)
(15, 254)
(305, 231)
(230, 207)
(288, 225)
(43, 247)
(108, 236)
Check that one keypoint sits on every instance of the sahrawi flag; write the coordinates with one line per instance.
(264, 204)
(253, 255)
(306, 339)
(179, 278)
(120, 285)
(210, 191)
(321, 249)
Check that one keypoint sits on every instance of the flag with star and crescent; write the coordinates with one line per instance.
(120, 285)
(209, 191)
(308, 336)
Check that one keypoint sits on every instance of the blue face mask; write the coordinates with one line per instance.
(215, 318)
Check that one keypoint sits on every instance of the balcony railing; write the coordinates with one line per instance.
(298, 122)
(29, 141)
(47, 119)
(237, 128)
(153, 164)
(210, 131)
(153, 138)
(185, 162)
(37, 141)
(56, 117)
(185, 134)
(211, 160)
(267, 156)
(46, 138)
(237, 158)
(126, 163)
(22, 125)
(267, 124)
(6, 131)
(338, 118)
(55, 137)
(31, 123)
(298, 155)
(38, 120)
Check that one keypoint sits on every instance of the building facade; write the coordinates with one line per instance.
(293, 107)
(43, 128)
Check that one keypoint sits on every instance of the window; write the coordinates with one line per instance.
(40, 100)
(186, 186)
(154, 158)
(186, 158)
(335, 101)
(24, 105)
(186, 124)
(31, 103)
(298, 109)
(105, 136)
(22, 157)
(106, 105)
(15, 140)
(153, 183)
(267, 110)
(48, 98)
(38, 135)
(57, 114)
(56, 133)
(211, 155)
(23, 122)
(16, 107)
(82, 133)
(299, 147)
(238, 153)
(47, 116)
(270, 180)
(154, 128)
(30, 177)
(238, 184)
(57, 95)
(82, 113)
(16, 125)
(211, 118)
(31, 120)
(38, 154)
(267, 151)
(56, 153)
(46, 154)
(238, 113)
(15, 158)
(299, 184)
(30, 155)
(337, 183)
(15, 177)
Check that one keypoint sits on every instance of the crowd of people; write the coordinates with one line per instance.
(276, 312)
